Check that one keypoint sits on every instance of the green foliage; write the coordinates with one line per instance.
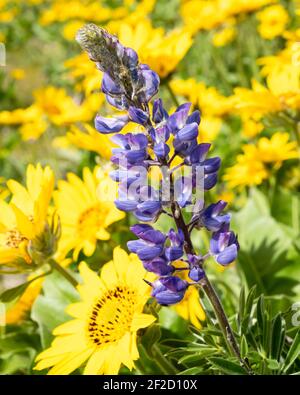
(264, 338)
(48, 310)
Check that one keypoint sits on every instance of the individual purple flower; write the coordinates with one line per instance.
(178, 119)
(169, 290)
(159, 114)
(133, 148)
(183, 190)
(149, 205)
(224, 245)
(196, 273)
(175, 251)
(211, 217)
(150, 244)
(160, 135)
(159, 266)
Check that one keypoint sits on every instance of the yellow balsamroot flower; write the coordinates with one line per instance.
(257, 101)
(70, 29)
(248, 170)
(24, 219)
(18, 312)
(206, 15)
(103, 334)
(7, 11)
(60, 108)
(190, 307)
(89, 139)
(187, 88)
(17, 74)
(13, 244)
(209, 129)
(273, 21)
(86, 210)
(84, 71)
(251, 127)
(224, 36)
(277, 149)
(51, 106)
(160, 50)
(87, 10)
(33, 130)
(211, 102)
(282, 72)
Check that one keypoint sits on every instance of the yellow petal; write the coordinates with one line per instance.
(141, 320)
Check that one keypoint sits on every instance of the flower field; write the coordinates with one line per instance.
(150, 187)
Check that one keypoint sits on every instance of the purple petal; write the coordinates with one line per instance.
(188, 133)
(136, 245)
(149, 253)
(210, 181)
(167, 298)
(194, 117)
(109, 86)
(198, 155)
(212, 165)
(178, 119)
(196, 274)
(138, 116)
(125, 205)
(174, 284)
(110, 125)
(159, 113)
(228, 255)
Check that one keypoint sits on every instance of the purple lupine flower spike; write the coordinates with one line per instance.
(129, 86)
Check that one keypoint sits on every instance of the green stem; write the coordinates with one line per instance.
(209, 291)
(63, 272)
(161, 360)
(172, 94)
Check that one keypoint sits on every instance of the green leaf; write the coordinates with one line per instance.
(227, 366)
(260, 313)
(150, 338)
(248, 310)
(242, 305)
(191, 371)
(244, 347)
(277, 336)
(13, 293)
(273, 364)
(293, 353)
(49, 309)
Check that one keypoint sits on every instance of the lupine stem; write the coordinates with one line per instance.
(63, 272)
(209, 291)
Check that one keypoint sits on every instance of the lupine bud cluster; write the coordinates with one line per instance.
(129, 86)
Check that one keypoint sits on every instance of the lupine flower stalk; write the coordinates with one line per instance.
(129, 86)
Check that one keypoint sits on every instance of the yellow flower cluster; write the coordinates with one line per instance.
(207, 15)
(85, 209)
(51, 106)
(252, 166)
